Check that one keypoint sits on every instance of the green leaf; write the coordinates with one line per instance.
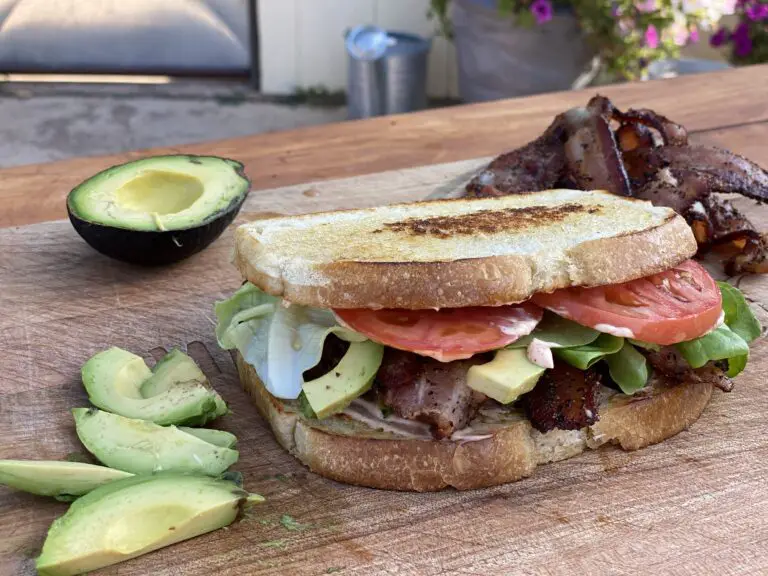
(583, 357)
(280, 342)
(305, 407)
(628, 368)
(738, 314)
(558, 330)
(720, 344)
(736, 365)
(645, 345)
(525, 19)
(236, 312)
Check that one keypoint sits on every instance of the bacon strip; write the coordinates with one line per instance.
(423, 389)
(565, 398)
(670, 363)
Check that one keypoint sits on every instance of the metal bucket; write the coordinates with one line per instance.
(387, 72)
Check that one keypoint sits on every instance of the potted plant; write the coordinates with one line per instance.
(517, 47)
(748, 41)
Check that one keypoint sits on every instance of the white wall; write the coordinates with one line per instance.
(302, 41)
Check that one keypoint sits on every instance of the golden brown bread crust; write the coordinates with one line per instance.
(375, 460)
(422, 255)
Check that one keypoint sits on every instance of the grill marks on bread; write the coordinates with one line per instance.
(488, 221)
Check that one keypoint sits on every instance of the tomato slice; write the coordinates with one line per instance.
(679, 304)
(446, 334)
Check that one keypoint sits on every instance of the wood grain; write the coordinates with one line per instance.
(703, 102)
(695, 504)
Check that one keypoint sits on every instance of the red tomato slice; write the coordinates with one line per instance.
(679, 304)
(446, 334)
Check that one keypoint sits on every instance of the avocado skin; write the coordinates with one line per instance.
(154, 248)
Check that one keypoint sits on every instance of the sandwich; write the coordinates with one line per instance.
(464, 342)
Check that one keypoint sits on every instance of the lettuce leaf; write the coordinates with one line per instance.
(644, 345)
(738, 314)
(558, 331)
(628, 368)
(280, 342)
(720, 344)
(583, 357)
(730, 341)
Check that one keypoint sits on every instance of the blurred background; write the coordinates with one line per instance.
(80, 77)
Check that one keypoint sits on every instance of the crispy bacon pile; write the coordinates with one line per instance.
(641, 154)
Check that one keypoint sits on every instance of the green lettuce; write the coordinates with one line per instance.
(583, 357)
(280, 342)
(559, 332)
(720, 344)
(738, 314)
(628, 368)
(729, 342)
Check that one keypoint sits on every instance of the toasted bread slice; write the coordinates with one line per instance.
(465, 252)
(352, 452)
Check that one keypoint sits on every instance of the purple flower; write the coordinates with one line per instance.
(743, 47)
(651, 37)
(542, 11)
(720, 37)
(694, 35)
(756, 12)
(741, 40)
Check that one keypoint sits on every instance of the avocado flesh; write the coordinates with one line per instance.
(54, 478)
(351, 377)
(128, 518)
(509, 375)
(141, 447)
(216, 437)
(114, 380)
(161, 193)
(173, 368)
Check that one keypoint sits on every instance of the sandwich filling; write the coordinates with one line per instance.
(428, 373)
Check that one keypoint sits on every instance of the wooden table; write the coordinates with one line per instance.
(696, 504)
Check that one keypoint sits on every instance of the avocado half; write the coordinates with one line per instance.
(158, 210)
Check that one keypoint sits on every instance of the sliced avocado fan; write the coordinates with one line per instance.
(141, 447)
(175, 392)
(130, 517)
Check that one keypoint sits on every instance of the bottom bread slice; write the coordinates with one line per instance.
(352, 452)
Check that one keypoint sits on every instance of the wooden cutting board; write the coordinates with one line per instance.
(696, 504)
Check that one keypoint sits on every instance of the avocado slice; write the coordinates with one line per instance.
(116, 378)
(55, 478)
(506, 377)
(351, 377)
(128, 518)
(215, 437)
(141, 447)
(160, 209)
